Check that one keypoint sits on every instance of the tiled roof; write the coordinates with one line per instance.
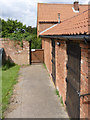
(78, 24)
(49, 12)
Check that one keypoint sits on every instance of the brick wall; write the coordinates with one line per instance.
(43, 41)
(42, 26)
(61, 60)
(61, 72)
(14, 52)
(47, 55)
(85, 81)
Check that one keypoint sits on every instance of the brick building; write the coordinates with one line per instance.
(65, 33)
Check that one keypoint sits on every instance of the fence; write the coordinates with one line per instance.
(37, 55)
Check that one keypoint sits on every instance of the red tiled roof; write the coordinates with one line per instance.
(78, 24)
(49, 12)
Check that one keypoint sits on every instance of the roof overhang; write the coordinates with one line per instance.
(48, 22)
(85, 38)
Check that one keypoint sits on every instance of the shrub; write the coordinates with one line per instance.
(7, 65)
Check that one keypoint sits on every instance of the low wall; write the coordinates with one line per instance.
(37, 56)
(15, 52)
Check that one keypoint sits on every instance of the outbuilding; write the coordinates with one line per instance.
(66, 46)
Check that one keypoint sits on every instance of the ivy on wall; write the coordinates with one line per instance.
(15, 30)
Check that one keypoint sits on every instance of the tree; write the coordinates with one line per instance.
(31, 30)
(15, 30)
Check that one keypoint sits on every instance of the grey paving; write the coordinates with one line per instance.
(34, 96)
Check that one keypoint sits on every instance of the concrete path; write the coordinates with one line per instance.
(34, 96)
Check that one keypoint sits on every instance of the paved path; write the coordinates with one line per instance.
(34, 96)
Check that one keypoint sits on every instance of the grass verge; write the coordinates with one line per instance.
(9, 77)
(61, 100)
(44, 66)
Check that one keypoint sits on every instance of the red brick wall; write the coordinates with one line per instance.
(37, 56)
(14, 52)
(85, 81)
(43, 43)
(61, 72)
(47, 55)
(61, 60)
(42, 26)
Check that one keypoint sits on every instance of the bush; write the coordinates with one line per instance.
(15, 30)
(7, 65)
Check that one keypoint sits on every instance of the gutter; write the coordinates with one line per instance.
(86, 38)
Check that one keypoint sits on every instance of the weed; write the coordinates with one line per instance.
(57, 93)
(61, 100)
(44, 66)
(21, 44)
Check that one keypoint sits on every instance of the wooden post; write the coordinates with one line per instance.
(30, 52)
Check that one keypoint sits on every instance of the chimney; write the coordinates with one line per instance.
(76, 5)
(58, 17)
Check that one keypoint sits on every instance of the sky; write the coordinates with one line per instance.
(26, 10)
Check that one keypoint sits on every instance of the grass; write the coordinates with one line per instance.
(9, 77)
(57, 93)
(44, 66)
(61, 100)
(7, 65)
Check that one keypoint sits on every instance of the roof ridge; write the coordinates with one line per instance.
(62, 4)
(55, 3)
(63, 22)
(76, 15)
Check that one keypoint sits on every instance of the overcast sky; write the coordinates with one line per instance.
(26, 10)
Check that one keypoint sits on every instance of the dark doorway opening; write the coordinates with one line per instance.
(53, 62)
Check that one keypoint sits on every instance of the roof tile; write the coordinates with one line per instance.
(78, 24)
(49, 12)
